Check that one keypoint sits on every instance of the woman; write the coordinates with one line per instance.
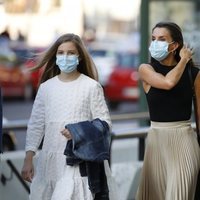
(68, 94)
(172, 156)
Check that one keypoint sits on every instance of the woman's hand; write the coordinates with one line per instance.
(66, 133)
(186, 53)
(28, 169)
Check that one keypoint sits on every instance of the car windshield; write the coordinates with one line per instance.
(22, 54)
(101, 53)
(128, 60)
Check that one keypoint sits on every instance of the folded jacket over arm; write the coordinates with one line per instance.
(91, 140)
(89, 148)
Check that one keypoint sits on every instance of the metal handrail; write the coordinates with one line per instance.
(14, 169)
(132, 133)
(22, 123)
(15, 124)
(139, 133)
(129, 116)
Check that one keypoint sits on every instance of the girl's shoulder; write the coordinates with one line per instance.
(49, 82)
(91, 83)
(86, 78)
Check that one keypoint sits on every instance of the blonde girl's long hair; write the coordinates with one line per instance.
(48, 59)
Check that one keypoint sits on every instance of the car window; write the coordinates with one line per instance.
(101, 53)
(22, 55)
(127, 60)
(97, 53)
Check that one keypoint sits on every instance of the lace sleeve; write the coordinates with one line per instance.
(35, 129)
(98, 104)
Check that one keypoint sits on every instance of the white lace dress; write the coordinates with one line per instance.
(58, 103)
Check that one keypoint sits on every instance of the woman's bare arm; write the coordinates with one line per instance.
(154, 79)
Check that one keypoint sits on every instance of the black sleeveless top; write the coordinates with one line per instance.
(171, 105)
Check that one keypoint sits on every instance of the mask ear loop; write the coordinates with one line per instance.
(171, 42)
(173, 51)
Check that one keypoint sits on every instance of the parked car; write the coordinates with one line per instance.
(15, 78)
(122, 84)
(104, 58)
(14, 83)
(34, 76)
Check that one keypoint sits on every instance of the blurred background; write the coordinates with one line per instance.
(117, 34)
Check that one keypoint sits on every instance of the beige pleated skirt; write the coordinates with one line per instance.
(171, 162)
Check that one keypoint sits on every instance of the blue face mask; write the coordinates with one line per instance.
(159, 49)
(67, 63)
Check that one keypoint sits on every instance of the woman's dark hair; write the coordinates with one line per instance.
(176, 34)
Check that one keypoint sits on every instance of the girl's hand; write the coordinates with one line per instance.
(27, 170)
(66, 133)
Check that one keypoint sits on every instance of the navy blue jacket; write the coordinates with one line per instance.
(91, 140)
(89, 147)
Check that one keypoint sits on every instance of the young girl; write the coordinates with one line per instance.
(69, 93)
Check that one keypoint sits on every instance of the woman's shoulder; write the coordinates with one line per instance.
(145, 66)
